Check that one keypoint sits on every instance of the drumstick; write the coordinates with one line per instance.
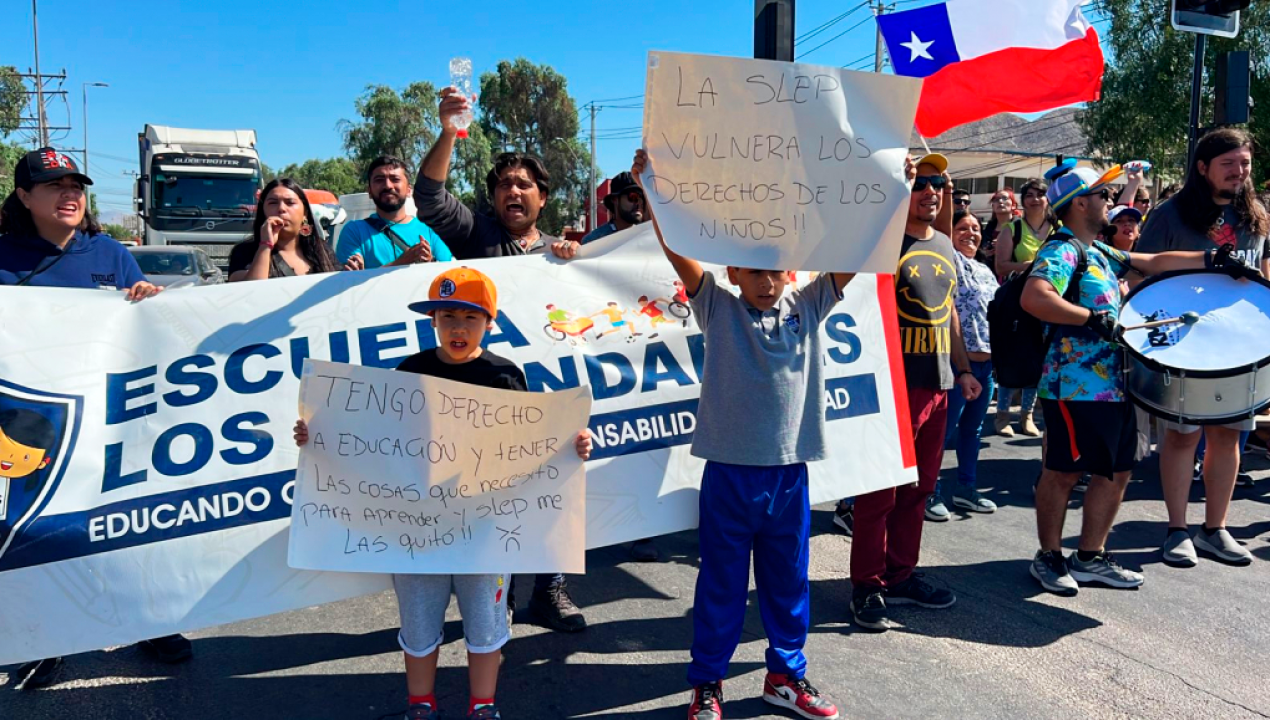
(1186, 318)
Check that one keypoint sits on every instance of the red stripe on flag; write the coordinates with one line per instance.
(1010, 80)
(895, 359)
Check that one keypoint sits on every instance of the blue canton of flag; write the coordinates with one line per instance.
(920, 42)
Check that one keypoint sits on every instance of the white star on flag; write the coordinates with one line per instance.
(918, 48)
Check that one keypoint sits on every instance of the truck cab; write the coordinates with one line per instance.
(198, 188)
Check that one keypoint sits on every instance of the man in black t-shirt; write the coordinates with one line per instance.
(1217, 207)
(888, 523)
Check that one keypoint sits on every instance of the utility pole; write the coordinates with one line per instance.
(593, 189)
(39, 81)
(774, 30)
(879, 9)
(1197, 90)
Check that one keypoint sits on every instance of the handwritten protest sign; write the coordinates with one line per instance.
(756, 163)
(407, 473)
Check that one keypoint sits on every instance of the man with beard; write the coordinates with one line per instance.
(1216, 208)
(627, 207)
(391, 236)
(518, 187)
(888, 523)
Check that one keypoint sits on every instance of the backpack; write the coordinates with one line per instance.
(1019, 340)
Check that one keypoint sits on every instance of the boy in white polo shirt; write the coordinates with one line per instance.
(759, 421)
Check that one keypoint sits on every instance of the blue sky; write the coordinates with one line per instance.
(291, 70)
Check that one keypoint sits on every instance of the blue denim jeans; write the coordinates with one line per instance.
(1026, 402)
(965, 424)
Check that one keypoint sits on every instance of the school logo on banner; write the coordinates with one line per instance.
(37, 438)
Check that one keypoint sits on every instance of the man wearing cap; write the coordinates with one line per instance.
(1217, 208)
(1090, 424)
(888, 523)
(49, 238)
(625, 203)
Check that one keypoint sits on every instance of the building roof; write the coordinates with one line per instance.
(1056, 132)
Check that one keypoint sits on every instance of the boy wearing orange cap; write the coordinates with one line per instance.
(463, 304)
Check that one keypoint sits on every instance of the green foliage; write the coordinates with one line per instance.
(338, 175)
(527, 107)
(13, 99)
(10, 153)
(116, 231)
(1144, 112)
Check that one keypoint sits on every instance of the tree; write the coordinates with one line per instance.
(406, 125)
(1144, 112)
(528, 107)
(13, 100)
(338, 175)
(116, 231)
(10, 153)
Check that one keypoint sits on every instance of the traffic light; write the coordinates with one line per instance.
(1209, 17)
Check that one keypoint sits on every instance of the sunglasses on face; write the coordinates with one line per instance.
(634, 197)
(1142, 202)
(961, 202)
(936, 181)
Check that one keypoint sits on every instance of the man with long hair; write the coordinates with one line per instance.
(1218, 206)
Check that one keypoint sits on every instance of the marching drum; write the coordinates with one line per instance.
(1211, 372)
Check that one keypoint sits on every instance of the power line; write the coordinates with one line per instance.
(835, 37)
(829, 23)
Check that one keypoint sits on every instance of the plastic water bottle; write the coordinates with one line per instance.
(1143, 165)
(461, 78)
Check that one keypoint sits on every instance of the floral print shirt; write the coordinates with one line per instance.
(1080, 366)
(976, 286)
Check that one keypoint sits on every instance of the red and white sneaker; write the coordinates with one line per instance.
(797, 695)
(707, 702)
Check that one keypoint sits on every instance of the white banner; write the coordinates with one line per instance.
(165, 503)
(765, 164)
(405, 473)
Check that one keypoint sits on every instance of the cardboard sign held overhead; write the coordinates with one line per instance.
(765, 164)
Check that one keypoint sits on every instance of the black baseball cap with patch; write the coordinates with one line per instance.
(45, 165)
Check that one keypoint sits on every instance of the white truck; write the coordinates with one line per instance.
(197, 188)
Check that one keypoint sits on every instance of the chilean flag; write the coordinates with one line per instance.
(983, 57)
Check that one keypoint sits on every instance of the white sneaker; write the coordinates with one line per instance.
(1103, 569)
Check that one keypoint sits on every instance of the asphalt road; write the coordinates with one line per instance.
(1190, 643)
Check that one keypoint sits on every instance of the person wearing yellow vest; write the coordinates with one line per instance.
(1016, 247)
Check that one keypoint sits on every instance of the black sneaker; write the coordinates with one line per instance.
(844, 518)
(556, 610)
(1082, 485)
(707, 702)
(916, 591)
(40, 673)
(170, 649)
(644, 551)
(868, 607)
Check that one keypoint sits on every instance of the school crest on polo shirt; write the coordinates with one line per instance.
(793, 323)
(37, 438)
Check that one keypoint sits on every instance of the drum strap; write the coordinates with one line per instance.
(1072, 294)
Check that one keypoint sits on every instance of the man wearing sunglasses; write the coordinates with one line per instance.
(1090, 424)
(888, 523)
(627, 207)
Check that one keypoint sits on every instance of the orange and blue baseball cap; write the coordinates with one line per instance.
(460, 288)
(1078, 182)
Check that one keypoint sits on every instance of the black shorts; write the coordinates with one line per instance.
(1086, 436)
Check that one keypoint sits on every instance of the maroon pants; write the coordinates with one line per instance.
(888, 523)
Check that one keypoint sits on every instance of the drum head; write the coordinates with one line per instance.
(1233, 329)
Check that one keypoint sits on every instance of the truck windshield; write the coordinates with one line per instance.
(194, 194)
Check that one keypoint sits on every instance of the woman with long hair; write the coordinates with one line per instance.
(1004, 206)
(284, 238)
(49, 238)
